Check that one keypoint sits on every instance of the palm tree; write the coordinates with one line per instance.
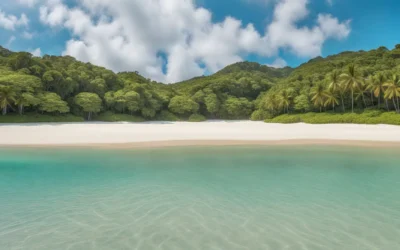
(284, 99)
(393, 90)
(335, 86)
(318, 95)
(331, 99)
(7, 96)
(376, 86)
(271, 103)
(360, 92)
(351, 81)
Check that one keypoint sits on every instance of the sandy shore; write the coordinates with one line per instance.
(161, 134)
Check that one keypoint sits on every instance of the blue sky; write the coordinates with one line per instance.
(171, 40)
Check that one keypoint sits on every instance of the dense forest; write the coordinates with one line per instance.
(64, 89)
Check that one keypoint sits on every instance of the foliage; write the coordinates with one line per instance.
(112, 117)
(197, 118)
(348, 81)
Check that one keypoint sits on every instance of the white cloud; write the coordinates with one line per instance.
(27, 35)
(37, 52)
(28, 3)
(10, 41)
(329, 2)
(278, 63)
(10, 22)
(133, 34)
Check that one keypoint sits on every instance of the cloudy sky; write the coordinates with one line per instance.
(173, 40)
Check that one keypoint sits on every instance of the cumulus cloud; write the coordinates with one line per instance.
(278, 63)
(37, 52)
(28, 3)
(148, 36)
(10, 22)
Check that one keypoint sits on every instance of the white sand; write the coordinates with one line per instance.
(118, 133)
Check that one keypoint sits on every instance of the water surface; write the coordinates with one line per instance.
(287, 197)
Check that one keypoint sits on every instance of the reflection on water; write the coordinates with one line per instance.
(200, 198)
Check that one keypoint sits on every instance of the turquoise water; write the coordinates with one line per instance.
(200, 198)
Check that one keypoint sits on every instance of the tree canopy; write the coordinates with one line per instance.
(348, 81)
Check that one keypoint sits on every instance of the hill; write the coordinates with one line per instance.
(56, 85)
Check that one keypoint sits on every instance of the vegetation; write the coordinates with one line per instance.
(347, 87)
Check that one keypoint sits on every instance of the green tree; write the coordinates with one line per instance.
(376, 85)
(7, 97)
(351, 80)
(25, 100)
(331, 99)
(52, 103)
(301, 103)
(392, 91)
(238, 108)
(89, 102)
(212, 103)
(183, 105)
(318, 95)
(335, 86)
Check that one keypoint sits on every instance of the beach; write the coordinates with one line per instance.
(160, 134)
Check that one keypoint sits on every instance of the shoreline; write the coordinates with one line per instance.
(211, 133)
(216, 143)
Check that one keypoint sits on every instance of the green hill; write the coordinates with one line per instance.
(55, 85)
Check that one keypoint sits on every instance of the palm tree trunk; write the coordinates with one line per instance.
(379, 101)
(394, 103)
(387, 105)
(5, 110)
(341, 97)
(398, 107)
(365, 104)
(352, 101)
(21, 109)
(333, 105)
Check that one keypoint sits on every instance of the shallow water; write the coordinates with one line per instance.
(200, 198)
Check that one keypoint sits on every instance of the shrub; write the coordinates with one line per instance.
(197, 118)
(112, 117)
(260, 115)
(167, 116)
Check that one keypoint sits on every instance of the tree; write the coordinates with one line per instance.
(351, 80)
(212, 103)
(183, 105)
(301, 103)
(318, 95)
(376, 85)
(52, 103)
(335, 86)
(331, 100)
(132, 101)
(392, 91)
(24, 100)
(7, 97)
(285, 98)
(238, 108)
(89, 102)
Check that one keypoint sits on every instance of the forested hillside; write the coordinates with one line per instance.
(62, 87)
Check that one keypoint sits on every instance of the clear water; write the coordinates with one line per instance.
(200, 198)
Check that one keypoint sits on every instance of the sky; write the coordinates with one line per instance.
(174, 40)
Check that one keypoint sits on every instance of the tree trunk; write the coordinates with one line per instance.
(398, 107)
(352, 101)
(320, 109)
(379, 101)
(21, 109)
(333, 105)
(394, 103)
(5, 110)
(365, 104)
(90, 116)
(387, 105)
(344, 110)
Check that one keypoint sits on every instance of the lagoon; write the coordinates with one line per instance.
(231, 197)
